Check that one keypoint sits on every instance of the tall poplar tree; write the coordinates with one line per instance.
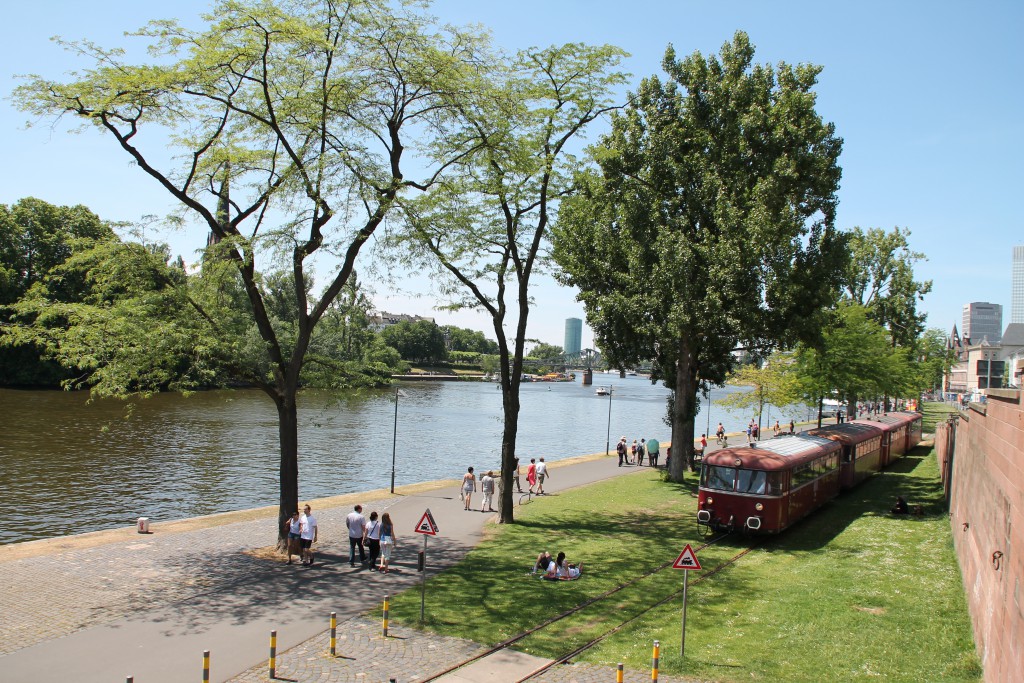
(290, 126)
(708, 224)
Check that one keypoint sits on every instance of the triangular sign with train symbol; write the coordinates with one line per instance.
(687, 559)
(426, 525)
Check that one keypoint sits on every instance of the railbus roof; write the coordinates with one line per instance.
(892, 419)
(780, 453)
(849, 433)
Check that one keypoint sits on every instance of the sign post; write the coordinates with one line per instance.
(428, 527)
(686, 561)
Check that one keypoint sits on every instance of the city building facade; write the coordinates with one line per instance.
(981, 321)
(1017, 292)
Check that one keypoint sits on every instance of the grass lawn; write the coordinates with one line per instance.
(850, 594)
(935, 413)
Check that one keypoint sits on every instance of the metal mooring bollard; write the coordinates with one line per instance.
(386, 598)
(654, 663)
(206, 666)
(618, 673)
(273, 654)
(334, 633)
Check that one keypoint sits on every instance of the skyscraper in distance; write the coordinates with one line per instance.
(983, 320)
(573, 335)
(1017, 291)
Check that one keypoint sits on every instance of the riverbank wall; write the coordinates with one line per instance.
(981, 453)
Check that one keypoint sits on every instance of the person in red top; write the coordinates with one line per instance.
(531, 474)
(703, 444)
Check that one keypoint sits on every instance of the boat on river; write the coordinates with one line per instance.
(602, 391)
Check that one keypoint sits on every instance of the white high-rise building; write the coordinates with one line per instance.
(1017, 291)
(982, 320)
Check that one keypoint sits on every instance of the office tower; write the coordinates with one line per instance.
(1017, 293)
(573, 335)
(983, 320)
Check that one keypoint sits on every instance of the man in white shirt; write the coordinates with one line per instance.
(542, 474)
(356, 530)
(307, 535)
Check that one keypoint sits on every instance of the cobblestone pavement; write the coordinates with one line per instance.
(72, 590)
(365, 656)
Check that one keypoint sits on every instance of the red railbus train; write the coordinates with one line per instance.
(767, 487)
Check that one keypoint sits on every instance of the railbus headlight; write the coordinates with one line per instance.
(710, 500)
(759, 507)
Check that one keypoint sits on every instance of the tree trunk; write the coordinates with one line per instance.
(683, 413)
(288, 433)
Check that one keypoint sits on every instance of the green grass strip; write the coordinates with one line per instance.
(852, 593)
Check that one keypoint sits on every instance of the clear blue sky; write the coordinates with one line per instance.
(927, 96)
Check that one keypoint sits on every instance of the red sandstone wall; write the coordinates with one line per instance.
(987, 518)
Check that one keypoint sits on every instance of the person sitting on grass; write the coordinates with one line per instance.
(901, 507)
(543, 560)
(562, 570)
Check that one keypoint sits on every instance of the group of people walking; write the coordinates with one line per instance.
(374, 537)
(635, 453)
(536, 474)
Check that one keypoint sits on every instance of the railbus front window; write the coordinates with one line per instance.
(719, 478)
(751, 481)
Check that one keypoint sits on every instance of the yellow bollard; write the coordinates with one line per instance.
(386, 597)
(618, 674)
(273, 654)
(206, 666)
(654, 663)
(334, 633)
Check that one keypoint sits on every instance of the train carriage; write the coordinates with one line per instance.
(861, 450)
(902, 432)
(767, 487)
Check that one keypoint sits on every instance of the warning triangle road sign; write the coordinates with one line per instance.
(687, 559)
(427, 525)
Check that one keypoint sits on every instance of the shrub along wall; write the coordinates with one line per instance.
(987, 519)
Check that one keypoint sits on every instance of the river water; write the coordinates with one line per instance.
(69, 466)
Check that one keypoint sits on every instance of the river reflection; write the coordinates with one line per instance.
(70, 466)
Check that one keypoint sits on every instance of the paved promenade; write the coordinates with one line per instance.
(106, 605)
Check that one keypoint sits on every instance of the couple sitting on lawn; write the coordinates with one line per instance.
(558, 568)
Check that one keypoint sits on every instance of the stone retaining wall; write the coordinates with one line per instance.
(985, 481)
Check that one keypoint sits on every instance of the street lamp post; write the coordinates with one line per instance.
(608, 436)
(394, 439)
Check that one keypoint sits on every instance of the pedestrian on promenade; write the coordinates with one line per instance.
(308, 535)
(703, 445)
(294, 546)
(632, 452)
(652, 452)
(387, 541)
(757, 432)
(641, 450)
(515, 465)
(356, 531)
(792, 427)
(777, 428)
(372, 540)
(468, 486)
(620, 448)
(750, 433)
(542, 474)
(487, 489)
(531, 474)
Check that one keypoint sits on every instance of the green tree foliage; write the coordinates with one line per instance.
(481, 231)
(36, 238)
(709, 223)
(542, 350)
(855, 358)
(463, 339)
(418, 342)
(290, 127)
(773, 383)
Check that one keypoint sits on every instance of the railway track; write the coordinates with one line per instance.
(505, 644)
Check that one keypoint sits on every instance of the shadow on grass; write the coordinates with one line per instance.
(872, 498)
